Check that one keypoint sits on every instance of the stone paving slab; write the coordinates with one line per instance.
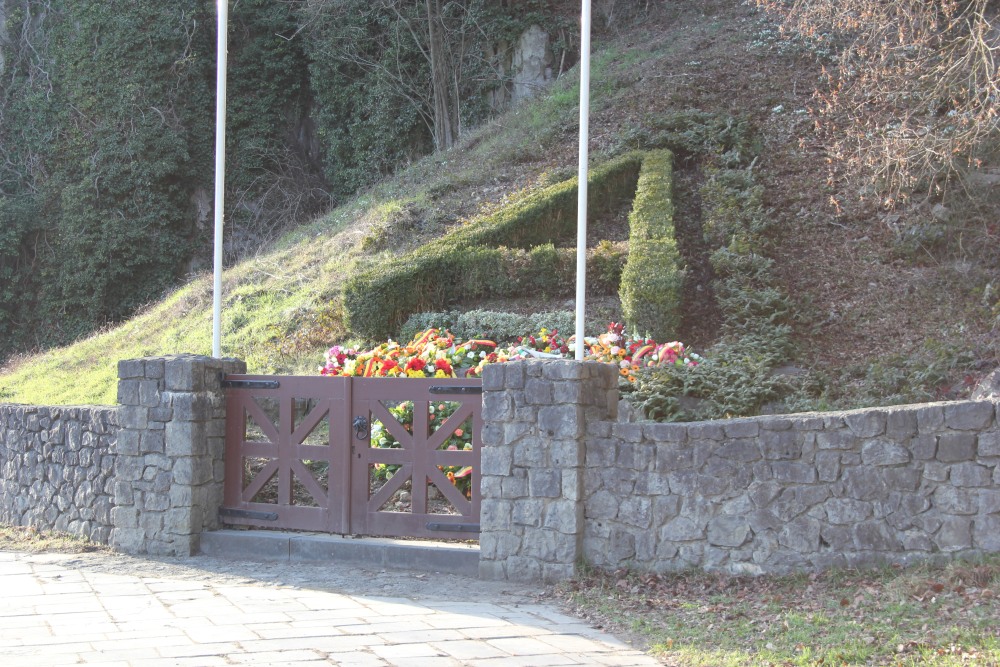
(58, 609)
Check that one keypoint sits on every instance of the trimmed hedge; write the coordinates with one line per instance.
(653, 278)
(468, 274)
(467, 263)
(494, 325)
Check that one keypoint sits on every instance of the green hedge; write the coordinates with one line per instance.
(504, 328)
(467, 263)
(653, 278)
(434, 280)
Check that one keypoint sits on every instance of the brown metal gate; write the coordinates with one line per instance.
(365, 456)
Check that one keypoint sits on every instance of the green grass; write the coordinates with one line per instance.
(923, 615)
(281, 309)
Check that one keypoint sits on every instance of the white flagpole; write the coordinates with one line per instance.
(581, 222)
(220, 171)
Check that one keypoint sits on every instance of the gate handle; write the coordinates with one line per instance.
(361, 428)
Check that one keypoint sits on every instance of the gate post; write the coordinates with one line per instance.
(169, 464)
(535, 416)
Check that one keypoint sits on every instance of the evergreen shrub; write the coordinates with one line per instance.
(653, 277)
(470, 262)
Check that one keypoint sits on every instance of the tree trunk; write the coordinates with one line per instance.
(445, 107)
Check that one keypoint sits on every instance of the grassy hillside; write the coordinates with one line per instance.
(888, 305)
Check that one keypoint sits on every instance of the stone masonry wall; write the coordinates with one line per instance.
(144, 477)
(56, 466)
(169, 469)
(768, 494)
(535, 418)
(810, 491)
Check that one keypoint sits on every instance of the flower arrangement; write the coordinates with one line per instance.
(434, 353)
(634, 354)
(431, 353)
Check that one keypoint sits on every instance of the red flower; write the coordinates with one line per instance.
(415, 364)
(443, 365)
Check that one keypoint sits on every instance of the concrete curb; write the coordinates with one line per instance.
(372, 552)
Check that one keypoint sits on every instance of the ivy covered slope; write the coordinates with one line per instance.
(283, 308)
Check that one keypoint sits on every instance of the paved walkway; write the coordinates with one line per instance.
(58, 609)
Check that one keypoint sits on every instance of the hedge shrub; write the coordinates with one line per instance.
(737, 377)
(495, 325)
(467, 263)
(429, 281)
(653, 278)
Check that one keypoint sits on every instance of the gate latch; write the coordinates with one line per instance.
(361, 427)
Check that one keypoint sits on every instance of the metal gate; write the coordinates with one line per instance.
(364, 456)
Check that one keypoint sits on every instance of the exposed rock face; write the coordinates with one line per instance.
(532, 64)
(988, 388)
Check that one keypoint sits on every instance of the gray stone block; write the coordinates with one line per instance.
(800, 535)
(969, 416)
(875, 536)
(496, 460)
(987, 533)
(566, 370)
(705, 431)
(682, 529)
(522, 569)
(636, 511)
(828, 466)
(795, 473)
(539, 392)
(561, 421)
(514, 375)
(781, 445)
(620, 547)
(989, 443)
(954, 447)
(901, 479)
(901, 424)
(971, 474)
(955, 534)
(728, 531)
(497, 407)
(846, 511)
(185, 373)
(950, 500)
(131, 369)
(930, 418)
(493, 377)
(545, 483)
(866, 423)
(840, 439)
(740, 428)
(882, 452)
(671, 457)
(667, 433)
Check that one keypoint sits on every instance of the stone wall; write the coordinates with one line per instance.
(144, 477)
(768, 494)
(56, 468)
(169, 466)
(535, 417)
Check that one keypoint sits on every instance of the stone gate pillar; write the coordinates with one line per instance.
(169, 464)
(535, 416)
